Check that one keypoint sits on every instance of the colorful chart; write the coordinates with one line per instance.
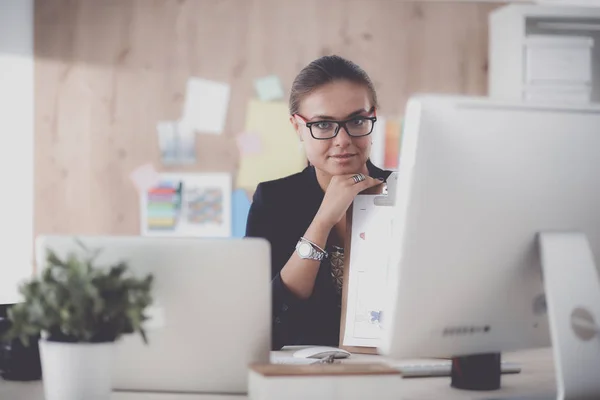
(188, 204)
(163, 206)
(204, 205)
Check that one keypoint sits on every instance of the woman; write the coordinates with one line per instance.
(332, 108)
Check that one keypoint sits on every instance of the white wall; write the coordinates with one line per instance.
(16, 145)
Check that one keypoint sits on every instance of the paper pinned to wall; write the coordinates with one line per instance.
(269, 88)
(240, 207)
(206, 104)
(190, 204)
(249, 143)
(281, 154)
(144, 177)
(177, 142)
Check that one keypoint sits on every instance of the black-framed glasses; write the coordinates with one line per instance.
(357, 126)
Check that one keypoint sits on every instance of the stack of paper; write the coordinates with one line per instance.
(558, 68)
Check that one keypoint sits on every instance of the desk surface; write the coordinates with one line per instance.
(536, 378)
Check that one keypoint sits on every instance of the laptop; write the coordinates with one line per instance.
(211, 315)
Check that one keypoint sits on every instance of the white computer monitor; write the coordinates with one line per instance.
(211, 315)
(478, 181)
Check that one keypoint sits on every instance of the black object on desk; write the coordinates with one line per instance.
(476, 372)
(18, 362)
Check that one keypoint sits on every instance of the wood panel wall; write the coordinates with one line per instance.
(107, 70)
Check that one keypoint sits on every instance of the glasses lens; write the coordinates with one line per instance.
(359, 126)
(324, 129)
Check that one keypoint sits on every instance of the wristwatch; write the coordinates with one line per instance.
(308, 250)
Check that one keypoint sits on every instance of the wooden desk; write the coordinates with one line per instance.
(536, 378)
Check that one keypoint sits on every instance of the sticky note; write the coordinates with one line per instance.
(280, 155)
(144, 177)
(206, 103)
(249, 143)
(269, 88)
(240, 206)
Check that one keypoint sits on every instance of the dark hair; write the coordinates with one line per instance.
(325, 70)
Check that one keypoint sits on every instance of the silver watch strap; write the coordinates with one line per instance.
(314, 244)
(322, 255)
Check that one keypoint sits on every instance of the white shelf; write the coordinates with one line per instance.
(545, 52)
(568, 26)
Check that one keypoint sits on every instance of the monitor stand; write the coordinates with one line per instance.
(476, 372)
(572, 286)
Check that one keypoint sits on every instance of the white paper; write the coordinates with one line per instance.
(206, 103)
(177, 142)
(198, 206)
(368, 271)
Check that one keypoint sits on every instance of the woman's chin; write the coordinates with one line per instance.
(345, 169)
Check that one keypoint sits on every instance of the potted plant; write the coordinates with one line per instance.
(80, 310)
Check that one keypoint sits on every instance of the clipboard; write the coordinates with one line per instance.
(387, 199)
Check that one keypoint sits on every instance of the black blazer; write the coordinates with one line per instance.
(281, 212)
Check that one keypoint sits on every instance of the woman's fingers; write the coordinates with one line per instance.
(368, 183)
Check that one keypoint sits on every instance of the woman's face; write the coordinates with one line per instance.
(338, 101)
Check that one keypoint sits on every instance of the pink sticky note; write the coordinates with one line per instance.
(144, 177)
(249, 143)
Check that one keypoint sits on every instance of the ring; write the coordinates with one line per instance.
(358, 178)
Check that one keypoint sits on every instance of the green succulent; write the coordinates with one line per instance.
(75, 300)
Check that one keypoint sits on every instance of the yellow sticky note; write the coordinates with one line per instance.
(280, 154)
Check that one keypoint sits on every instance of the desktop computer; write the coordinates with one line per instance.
(496, 228)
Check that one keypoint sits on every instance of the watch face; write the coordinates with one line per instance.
(304, 249)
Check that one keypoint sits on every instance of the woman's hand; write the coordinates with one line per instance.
(339, 195)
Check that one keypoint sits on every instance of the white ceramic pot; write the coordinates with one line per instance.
(76, 371)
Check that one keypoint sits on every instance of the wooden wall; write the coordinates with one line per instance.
(107, 70)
